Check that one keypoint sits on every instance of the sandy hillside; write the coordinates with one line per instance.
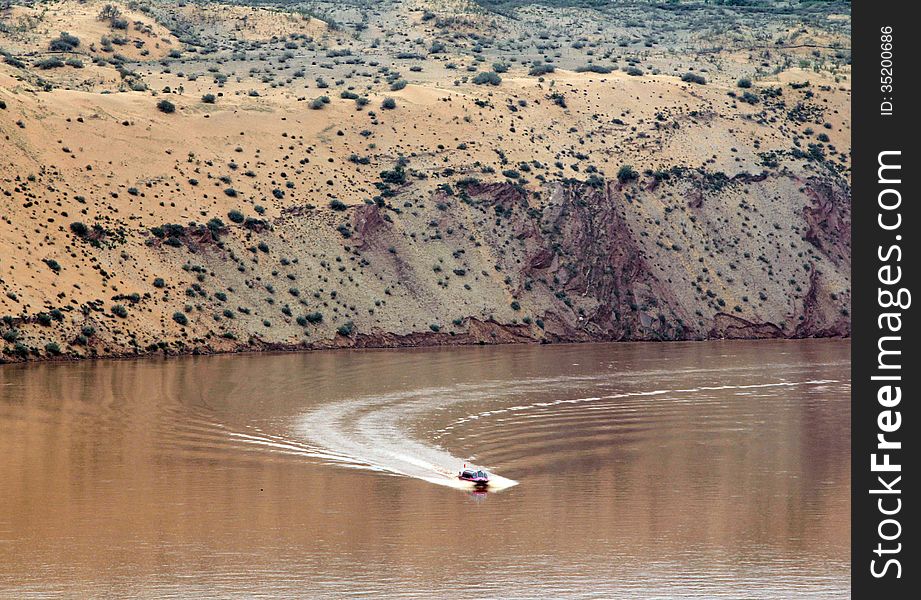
(232, 177)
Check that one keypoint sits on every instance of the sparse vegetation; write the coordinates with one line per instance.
(626, 173)
(487, 78)
(64, 43)
(694, 78)
(52, 62)
(541, 69)
(269, 215)
(319, 102)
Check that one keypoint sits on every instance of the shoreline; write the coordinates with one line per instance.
(426, 343)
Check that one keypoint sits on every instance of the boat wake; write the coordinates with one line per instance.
(675, 394)
(388, 433)
(372, 433)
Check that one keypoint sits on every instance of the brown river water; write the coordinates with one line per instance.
(673, 470)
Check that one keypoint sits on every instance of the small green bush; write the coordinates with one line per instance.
(64, 43)
(487, 78)
(750, 98)
(593, 68)
(626, 173)
(541, 69)
(50, 63)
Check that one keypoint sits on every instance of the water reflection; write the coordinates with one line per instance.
(198, 475)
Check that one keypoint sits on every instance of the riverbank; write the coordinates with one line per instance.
(486, 333)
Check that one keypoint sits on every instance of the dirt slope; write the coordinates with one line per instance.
(298, 211)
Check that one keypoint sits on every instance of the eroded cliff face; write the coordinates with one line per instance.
(196, 204)
(603, 265)
(663, 258)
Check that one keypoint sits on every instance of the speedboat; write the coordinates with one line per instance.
(479, 478)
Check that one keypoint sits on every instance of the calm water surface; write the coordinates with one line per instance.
(629, 471)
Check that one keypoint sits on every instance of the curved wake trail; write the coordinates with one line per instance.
(677, 392)
(374, 432)
(371, 433)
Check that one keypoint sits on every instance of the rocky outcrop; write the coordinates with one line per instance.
(589, 249)
(495, 264)
(828, 219)
(731, 327)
